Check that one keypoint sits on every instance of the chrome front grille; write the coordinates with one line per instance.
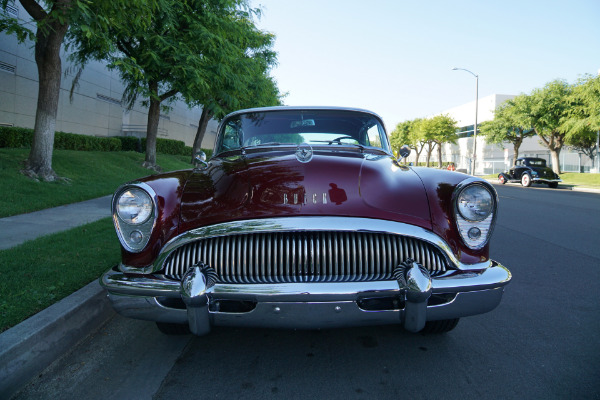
(304, 256)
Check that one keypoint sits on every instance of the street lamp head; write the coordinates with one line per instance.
(464, 69)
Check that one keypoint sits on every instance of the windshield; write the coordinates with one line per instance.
(293, 127)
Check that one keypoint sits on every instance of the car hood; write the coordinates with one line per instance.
(342, 183)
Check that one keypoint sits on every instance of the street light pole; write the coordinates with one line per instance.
(476, 112)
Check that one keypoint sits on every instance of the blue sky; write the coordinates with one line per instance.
(396, 57)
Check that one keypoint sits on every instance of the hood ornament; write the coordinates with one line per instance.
(304, 153)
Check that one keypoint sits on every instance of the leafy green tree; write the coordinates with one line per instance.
(444, 131)
(401, 136)
(511, 123)
(427, 133)
(174, 51)
(418, 137)
(249, 83)
(434, 132)
(583, 121)
(549, 110)
(52, 20)
(262, 92)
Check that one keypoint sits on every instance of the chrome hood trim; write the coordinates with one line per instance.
(348, 224)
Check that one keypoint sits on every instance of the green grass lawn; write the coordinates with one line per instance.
(587, 180)
(40, 272)
(92, 174)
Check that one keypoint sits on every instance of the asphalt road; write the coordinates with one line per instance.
(542, 342)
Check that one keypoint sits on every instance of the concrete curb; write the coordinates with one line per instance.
(29, 347)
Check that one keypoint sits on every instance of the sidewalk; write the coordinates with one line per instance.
(31, 346)
(18, 229)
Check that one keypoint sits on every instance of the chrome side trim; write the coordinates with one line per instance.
(349, 224)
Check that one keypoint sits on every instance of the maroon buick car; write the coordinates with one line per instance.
(303, 218)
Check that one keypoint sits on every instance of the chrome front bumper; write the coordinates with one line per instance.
(418, 296)
(545, 180)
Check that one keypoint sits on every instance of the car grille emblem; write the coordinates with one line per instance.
(304, 153)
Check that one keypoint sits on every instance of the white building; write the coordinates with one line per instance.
(96, 108)
(492, 158)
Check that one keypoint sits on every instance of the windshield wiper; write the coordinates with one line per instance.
(268, 144)
(339, 143)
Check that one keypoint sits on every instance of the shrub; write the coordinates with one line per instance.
(15, 137)
(168, 146)
(23, 137)
(130, 143)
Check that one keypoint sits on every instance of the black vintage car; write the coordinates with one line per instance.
(528, 170)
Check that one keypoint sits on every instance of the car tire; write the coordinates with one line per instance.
(525, 180)
(441, 326)
(553, 185)
(501, 179)
(173, 329)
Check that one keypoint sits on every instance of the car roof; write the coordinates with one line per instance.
(302, 108)
(530, 158)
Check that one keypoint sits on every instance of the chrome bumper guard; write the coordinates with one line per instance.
(307, 305)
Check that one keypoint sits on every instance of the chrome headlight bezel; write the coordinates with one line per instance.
(134, 236)
(475, 231)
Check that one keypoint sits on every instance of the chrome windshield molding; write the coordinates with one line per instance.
(124, 228)
(301, 108)
(385, 138)
(115, 282)
(288, 224)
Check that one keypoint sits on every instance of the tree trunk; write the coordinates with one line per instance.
(440, 155)
(47, 58)
(152, 129)
(555, 153)
(554, 142)
(429, 151)
(202, 124)
(516, 147)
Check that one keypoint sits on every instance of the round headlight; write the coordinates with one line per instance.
(134, 206)
(475, 203)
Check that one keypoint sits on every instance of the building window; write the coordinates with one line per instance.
(7, 67)
(12, 10)
(111, 100)
(465, 131)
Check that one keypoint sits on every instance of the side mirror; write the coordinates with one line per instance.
(200, 160)
(404, 151)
